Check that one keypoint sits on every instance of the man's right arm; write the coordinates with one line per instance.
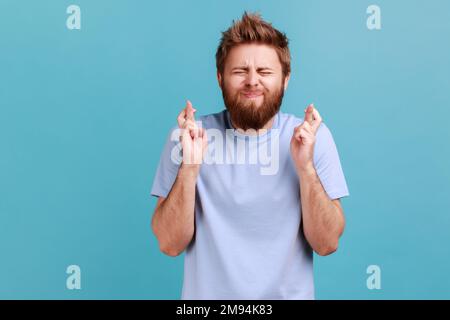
(173, 219)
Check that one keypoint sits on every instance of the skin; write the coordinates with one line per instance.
(249, 67)
(252, 67)
(323, 218)
(173, 219)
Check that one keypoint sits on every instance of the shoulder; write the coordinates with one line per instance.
(213, 120)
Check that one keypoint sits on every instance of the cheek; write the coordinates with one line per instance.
(271, 84)
(235, 84)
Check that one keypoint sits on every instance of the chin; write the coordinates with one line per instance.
(258, 102)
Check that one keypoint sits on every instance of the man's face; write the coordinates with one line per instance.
(252, 85)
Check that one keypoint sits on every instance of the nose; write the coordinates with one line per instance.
(252, 79)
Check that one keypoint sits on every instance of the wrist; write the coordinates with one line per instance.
(189, 170)
(306, 170)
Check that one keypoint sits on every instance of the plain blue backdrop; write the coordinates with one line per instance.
(84, 115)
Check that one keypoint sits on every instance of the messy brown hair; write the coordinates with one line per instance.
(253, 29)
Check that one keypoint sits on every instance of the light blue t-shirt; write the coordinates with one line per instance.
(248, 241)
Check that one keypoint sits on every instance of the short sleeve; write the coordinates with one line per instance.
(328, 165)
(168, 166)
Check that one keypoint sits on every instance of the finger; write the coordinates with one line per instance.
(205, 138)
(297, 133)
(306, 126)
(301, 132)
(181, 118)
(190, 111)
(204, 134)
(201, 132)
(304, 133)
(317, 119)
(185, 134)
(195, 131)
(309, 113)
(189, 124)
(192, 127)
(191, 132)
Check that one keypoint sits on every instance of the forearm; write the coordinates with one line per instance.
(323, 223)
(173, 221)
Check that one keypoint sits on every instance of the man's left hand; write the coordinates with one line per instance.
(303, 140)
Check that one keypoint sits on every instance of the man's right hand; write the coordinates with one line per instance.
(194, 140)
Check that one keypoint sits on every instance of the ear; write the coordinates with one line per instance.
(286, 81)
(219, 79)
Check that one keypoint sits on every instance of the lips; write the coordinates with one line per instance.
(252, 94)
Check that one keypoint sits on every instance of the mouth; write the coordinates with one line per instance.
(252, 95)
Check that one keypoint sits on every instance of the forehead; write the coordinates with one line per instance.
(253, 55)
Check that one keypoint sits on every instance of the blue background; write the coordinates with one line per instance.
(84, 115)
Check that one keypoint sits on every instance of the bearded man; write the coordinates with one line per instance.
(246, 233)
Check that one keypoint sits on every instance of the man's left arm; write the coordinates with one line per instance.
(323, 218)
(322, 215)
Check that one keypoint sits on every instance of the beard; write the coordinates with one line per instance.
(246, 114)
